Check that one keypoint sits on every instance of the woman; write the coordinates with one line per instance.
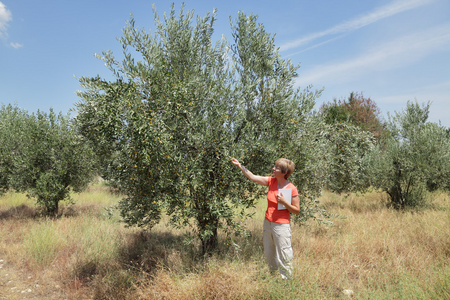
(277, 230)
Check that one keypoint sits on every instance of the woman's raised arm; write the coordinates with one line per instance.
(262, 180)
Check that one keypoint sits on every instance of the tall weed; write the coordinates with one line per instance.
(93, 242)
(42, 243)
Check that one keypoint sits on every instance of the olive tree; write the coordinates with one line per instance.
(43, 155)
(12, 122)
(312, 155)
(414, 158)
(179, 107)
(348, 147)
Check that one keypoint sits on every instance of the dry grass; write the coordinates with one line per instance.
(86, 253)
(379, 251)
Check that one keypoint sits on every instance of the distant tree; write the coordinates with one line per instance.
(311, 154)
(180, 106)
(43, 156)
(365, 113)
(357, 110)
(335, 113)
(348, 146)
(13, 120)
(413, 159)
(436, 145)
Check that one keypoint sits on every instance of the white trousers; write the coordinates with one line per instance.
(277, 248)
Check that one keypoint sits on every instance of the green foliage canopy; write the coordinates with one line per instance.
(42, 155)
(413, 159)
(348, 147)
(180, 106)
(356, 110)
(12, 121)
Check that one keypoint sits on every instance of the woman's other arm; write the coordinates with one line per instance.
(293, 207)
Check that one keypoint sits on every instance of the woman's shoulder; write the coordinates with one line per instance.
(292, 186)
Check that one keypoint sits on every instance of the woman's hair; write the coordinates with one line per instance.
(286, 166)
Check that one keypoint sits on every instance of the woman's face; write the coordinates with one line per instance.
(276, 172)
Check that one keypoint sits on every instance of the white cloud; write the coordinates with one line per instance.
(389, 55)
(5, 17)
(15, 45)
(437, 94)
(380, 13)
(315, 45)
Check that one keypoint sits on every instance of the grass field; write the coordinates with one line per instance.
(371, 252)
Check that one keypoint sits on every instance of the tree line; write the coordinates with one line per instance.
(181, 104)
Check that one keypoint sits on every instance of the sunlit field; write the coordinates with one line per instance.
(371, 252)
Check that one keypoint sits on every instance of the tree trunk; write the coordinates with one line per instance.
(52, 210)
(210, 243)
(208, 229)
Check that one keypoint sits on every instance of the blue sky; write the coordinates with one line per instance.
(390, 50)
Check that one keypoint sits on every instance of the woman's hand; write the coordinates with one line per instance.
(262, 180)
(293, 207)
(281, 199)
(235, 162)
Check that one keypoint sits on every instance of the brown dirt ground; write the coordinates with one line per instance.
(17, 284)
